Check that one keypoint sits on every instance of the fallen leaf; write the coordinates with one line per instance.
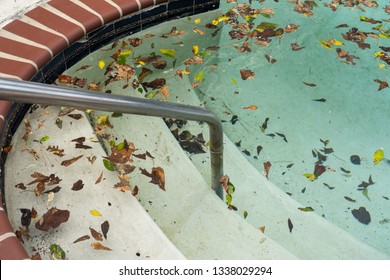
(52, 219)
(158, 177)
(378, 156)
(306, 209)
(77, 185)
(99, 246)
(247, 74)
(267, 166)
(250, 108)
(99, 179)
(95, 213)
(290, 225)
(105, 226)
(26, 217)
(82, 238)
(382, 84)
(70, 161)
(96, 235)
(362, 215)
(310, 84)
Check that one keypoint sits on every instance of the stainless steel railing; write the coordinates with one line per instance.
(35, 93)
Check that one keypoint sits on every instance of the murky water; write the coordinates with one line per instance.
(302, 91)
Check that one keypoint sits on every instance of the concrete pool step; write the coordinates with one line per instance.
(306, 234)
(189, 220)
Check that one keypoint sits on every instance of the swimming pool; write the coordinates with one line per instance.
(310, 104)
(288, 102)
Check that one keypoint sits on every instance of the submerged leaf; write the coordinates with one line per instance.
(99, 246)
(378, 156)
(362, 215)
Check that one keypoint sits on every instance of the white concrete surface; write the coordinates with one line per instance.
(11, 9)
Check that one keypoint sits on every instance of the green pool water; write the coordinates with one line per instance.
(310, 115)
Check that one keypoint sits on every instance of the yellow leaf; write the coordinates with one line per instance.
(337, 43)
(326, 44)
(195, 49)
(214, 22)
(378, 156)
(199, 76)
(101, 64)
(167, 52)
(103, 120)
(309, 176)
(234, 81)
(95, 213)
(197, 21)
(381, 66)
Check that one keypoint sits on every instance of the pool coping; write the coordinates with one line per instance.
(52, 37)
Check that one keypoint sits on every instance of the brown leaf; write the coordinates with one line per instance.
(310, 84)
(123, 185)
(70, 161)
(79, 140)
(99, 179)
(290, 225)
(105, 226)
(382, 84)
(250, 108)
(97, 235)
(52, 219)
(82, 238)
(28, 129)
(75, 116)
(99, 246)
(247, 74)
(21, 186)
(55, 150)
(78, 185)
(40, 187)
(135, 190)
(158, 177)
(267, 166)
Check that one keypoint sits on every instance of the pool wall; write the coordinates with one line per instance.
(53, 36)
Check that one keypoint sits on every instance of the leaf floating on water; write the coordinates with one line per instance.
(82, 238)
(99, 179)
(70, 161)
(95, 213)
(378, 156)
(52, 219)
(320, 100)
(258, 149)
(306, 209)
(362, 215)
(290, 225)
(99, 246)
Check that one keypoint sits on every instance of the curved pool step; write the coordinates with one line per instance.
(131, 233)
(52, 36)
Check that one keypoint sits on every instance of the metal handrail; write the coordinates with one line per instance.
(35, 93)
